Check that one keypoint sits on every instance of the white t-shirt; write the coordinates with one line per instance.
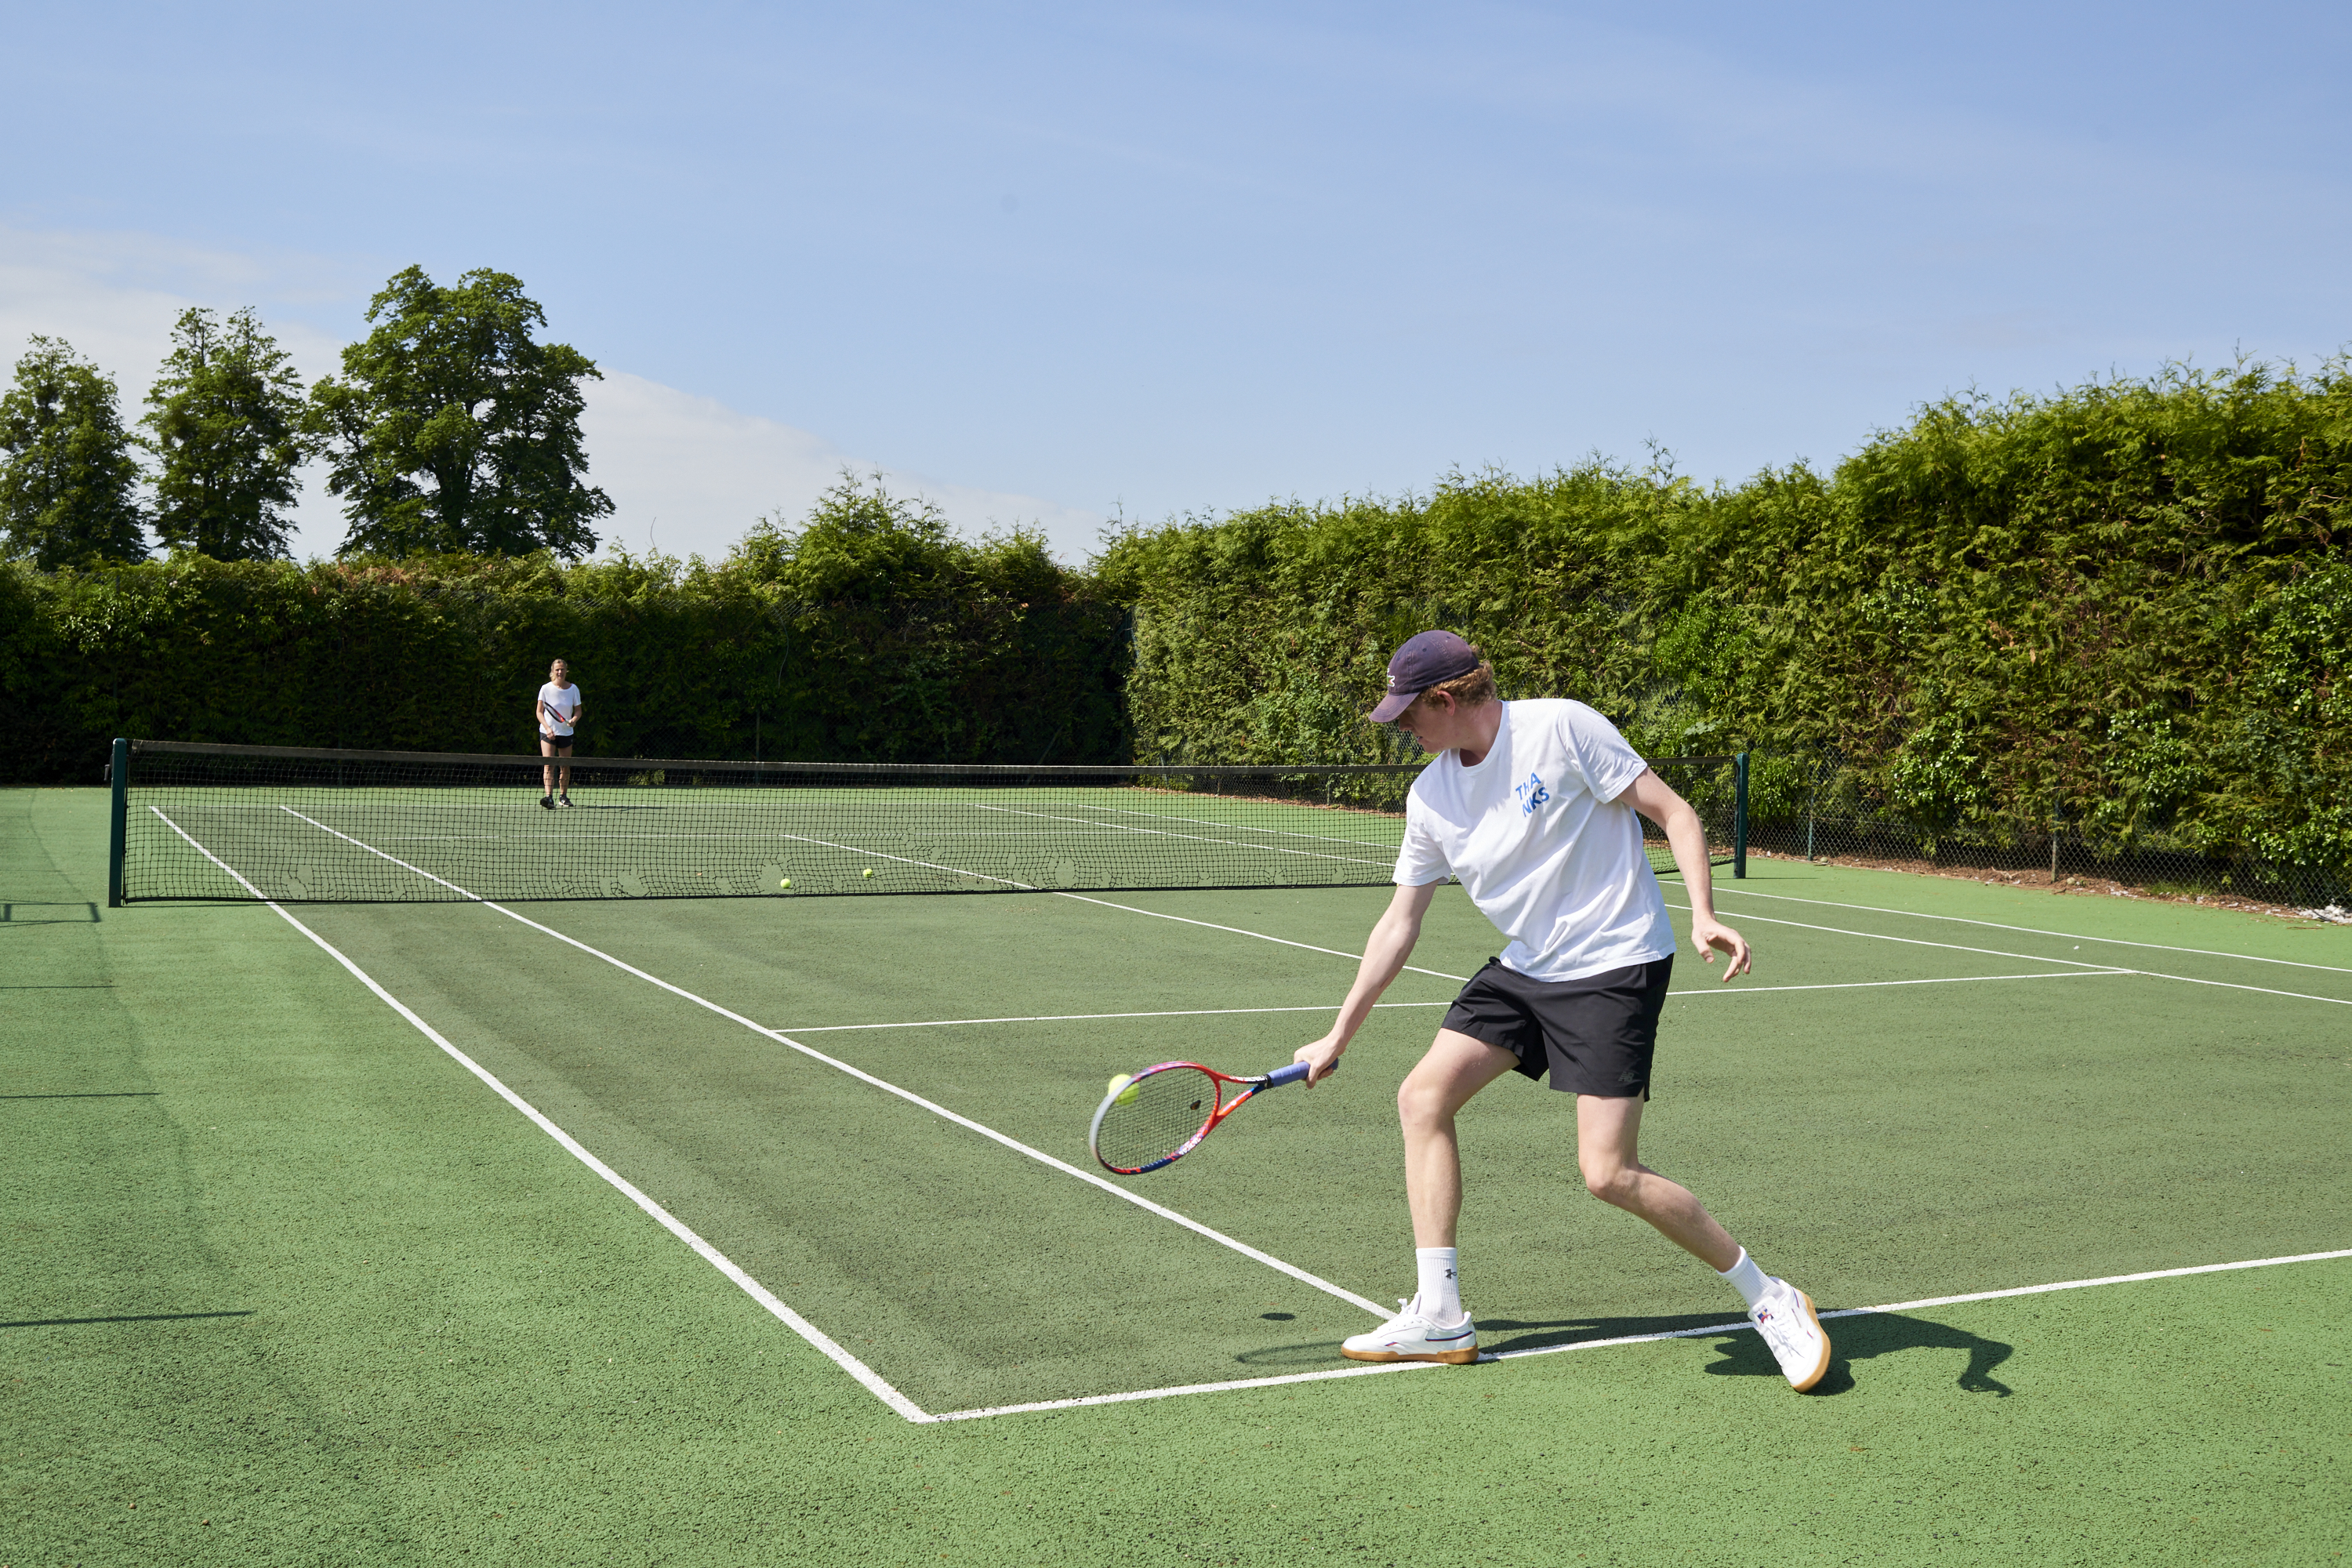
(563, 703)
(1542, 844)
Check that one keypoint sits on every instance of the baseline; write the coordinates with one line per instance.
(1743, 1326)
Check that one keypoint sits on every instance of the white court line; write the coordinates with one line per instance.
(991, 1133)
(906, 1407)
(865, 1374)
(1381, 856)
(1390, 849)
(1106, 830)
(1084, 1017)
(1193, 838)
(2037, 931)
(1325, 1007)
(1212, 925)
(1741, 1327)
(2038, 958)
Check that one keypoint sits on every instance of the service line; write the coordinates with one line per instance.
(1326, 1007)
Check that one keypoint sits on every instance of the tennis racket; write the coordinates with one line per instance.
(1160, 1115)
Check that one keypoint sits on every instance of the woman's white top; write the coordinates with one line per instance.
(563, 703)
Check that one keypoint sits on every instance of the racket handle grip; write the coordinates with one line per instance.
(1295, 1073)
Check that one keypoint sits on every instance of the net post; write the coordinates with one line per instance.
(118, 774)
(1740, 816)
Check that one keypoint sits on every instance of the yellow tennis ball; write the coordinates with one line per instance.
(867, 872)
(1118, 1082)
(785, 883)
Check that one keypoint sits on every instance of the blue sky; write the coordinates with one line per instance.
(1058, 263)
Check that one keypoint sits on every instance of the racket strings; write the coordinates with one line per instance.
(1155, 1116)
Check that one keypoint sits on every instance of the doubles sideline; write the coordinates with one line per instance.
(865, 1375)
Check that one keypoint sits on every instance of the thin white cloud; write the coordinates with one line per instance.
(689, 475)
(686, 474)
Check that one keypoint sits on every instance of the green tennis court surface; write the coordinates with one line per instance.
(287, 1282)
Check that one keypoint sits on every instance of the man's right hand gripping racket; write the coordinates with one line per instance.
(1160, 1115)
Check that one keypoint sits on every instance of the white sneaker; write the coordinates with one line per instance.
(1785, 1318)
(1413, 1335)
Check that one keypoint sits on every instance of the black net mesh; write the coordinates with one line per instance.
(250, 822)
(230, 822)
(1711, 786)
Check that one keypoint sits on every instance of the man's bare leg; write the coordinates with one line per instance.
(1455, 1067)
(1607, 1132)
(1435, 1326)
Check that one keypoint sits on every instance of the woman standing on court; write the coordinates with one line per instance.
(559, 712)
(1530, 806)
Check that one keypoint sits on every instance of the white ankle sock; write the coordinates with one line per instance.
(1441, 1290)
(1747, 1279)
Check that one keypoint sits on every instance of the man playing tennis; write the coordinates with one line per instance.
(1531, 806)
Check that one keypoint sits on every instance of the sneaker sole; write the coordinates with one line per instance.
(1450, 1358)
(1821, 1366)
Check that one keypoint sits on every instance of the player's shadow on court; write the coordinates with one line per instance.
(1866, 1338)
(1739, 1352)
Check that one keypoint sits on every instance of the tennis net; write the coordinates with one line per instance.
(214, 822)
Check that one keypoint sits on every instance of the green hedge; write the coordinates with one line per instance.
(2124, 610)
(447, 655)
(2127, 609)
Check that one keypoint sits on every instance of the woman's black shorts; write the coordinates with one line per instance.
(1594, 1035)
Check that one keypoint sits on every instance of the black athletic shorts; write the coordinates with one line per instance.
(1594, 1035)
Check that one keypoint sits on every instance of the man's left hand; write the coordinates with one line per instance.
(1710, 935)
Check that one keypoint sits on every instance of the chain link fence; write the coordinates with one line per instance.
(1825, 807)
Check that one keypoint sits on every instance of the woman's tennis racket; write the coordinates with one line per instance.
(1160, 1115)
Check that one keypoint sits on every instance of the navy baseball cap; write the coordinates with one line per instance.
(1424, 661)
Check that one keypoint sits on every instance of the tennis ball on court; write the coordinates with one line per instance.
(867, 872)
(785, 883)
(1120, 1081)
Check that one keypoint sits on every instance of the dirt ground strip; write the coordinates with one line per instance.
(2069, 883)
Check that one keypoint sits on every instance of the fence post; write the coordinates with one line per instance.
(1813, 795)
(118, 773)
(1740, 816)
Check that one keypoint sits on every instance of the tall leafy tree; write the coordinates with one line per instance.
(451, 429)
(69, 480)
(225, 422)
